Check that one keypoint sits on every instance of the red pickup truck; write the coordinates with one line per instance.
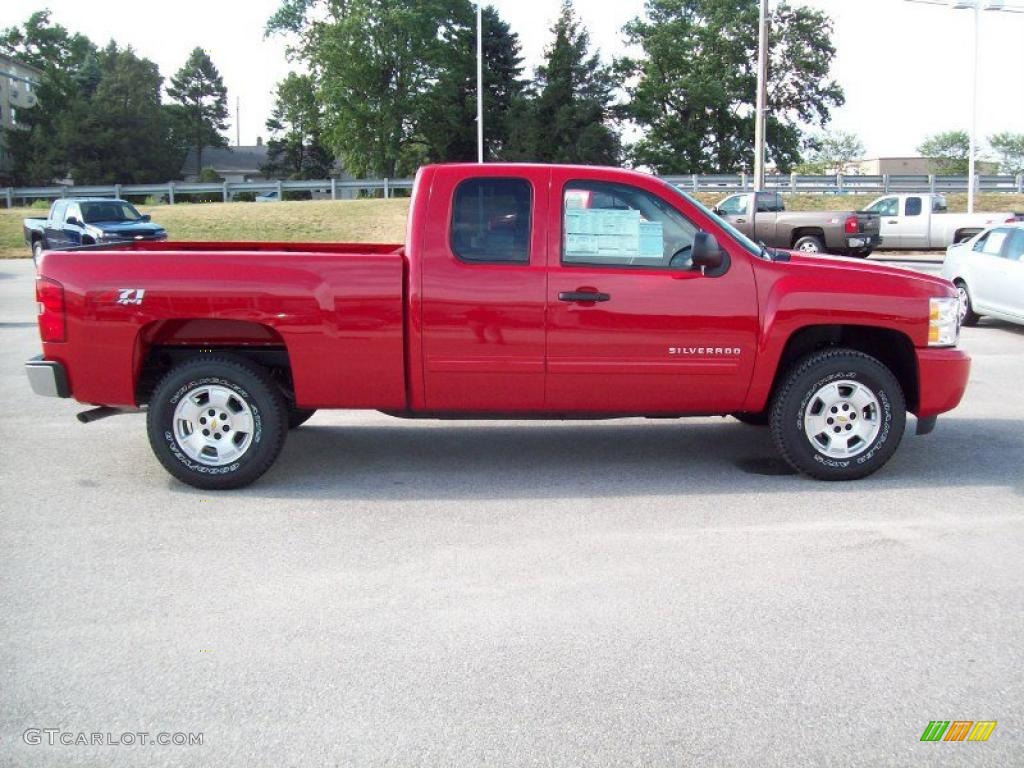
(535, 291)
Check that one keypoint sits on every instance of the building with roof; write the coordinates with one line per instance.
(233, 164)
(18, 84)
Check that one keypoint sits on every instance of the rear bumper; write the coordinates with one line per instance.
(942, 377)
(47, 378)
(862, 242)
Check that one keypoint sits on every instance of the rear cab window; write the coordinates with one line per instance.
(913, 206)
(491, 221)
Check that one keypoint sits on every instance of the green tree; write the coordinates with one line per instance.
(296, 149)
(376, 62)
(571, 113)
(694, 88)
(117, 135)
(950, 151)
(199, 89)
(830, 152)
(1009, 149)
(70, 77)
(447, 123)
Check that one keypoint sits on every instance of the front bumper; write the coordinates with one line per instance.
(47, 378)
(942, 378)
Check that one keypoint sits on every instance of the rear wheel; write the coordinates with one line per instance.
(809, 244)
(839, 415)
(967, 314)
(217, 422)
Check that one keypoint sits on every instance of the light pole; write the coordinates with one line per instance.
(479, 83)
(762, 88)
(977, 6)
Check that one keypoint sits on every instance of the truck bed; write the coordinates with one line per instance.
(337, 310)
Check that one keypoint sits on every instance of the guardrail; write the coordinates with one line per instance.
(724, 183)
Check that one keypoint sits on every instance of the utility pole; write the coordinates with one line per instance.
(238, 121)
(479, 83)
(977, 6)
(971, 177)
(762, 88)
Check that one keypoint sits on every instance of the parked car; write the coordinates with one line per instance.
(523, 291)
(763, 217)
(268, 197)
(988, 272)
(922, 222)
(88, 221)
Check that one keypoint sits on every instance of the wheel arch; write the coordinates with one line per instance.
(806, 231)
(892, 348)
(164, 344)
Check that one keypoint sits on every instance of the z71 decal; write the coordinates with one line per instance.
(130, 296)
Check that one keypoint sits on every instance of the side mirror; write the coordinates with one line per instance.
(718, 211)
(708, 255)
(146, 217)
(73, 221)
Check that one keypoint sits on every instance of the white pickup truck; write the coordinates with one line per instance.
(922, 221)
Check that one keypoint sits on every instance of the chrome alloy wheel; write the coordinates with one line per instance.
(965, 301)
(809, 247)
(842, 419)
(213, 425)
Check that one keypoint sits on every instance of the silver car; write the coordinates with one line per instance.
(988, 270)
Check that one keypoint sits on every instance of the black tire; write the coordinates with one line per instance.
(809, 244)
(299, 416)
(793, 401)
(753, 419)
(968, 316)
(250, 387)
(37, 251)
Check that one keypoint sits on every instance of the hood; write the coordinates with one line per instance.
(932, 284)
(133, 228)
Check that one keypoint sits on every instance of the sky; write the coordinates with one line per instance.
(906, 67)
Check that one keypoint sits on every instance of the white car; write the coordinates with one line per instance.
(988, 270)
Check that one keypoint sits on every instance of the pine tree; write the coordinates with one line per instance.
(572, 110)
(199, 89)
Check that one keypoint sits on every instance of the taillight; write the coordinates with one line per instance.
(50, 295)
(852, 226)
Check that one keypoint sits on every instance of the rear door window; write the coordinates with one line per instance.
(992, 243)
(1015, 248)
(491, 221)
(913, 206)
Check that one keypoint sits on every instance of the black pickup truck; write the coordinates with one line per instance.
(77, 221)
(763, 217)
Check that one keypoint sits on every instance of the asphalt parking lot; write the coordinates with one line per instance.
(422, 593)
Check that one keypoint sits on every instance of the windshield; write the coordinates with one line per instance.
(738, 236)
(113, 210)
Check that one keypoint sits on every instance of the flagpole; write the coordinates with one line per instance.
(479, 84)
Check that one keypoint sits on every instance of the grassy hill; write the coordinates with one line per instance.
(365, 220)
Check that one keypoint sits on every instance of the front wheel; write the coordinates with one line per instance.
(217, 422)
(839, 415)
(37, 251)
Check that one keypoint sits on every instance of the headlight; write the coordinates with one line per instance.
(943, 322)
